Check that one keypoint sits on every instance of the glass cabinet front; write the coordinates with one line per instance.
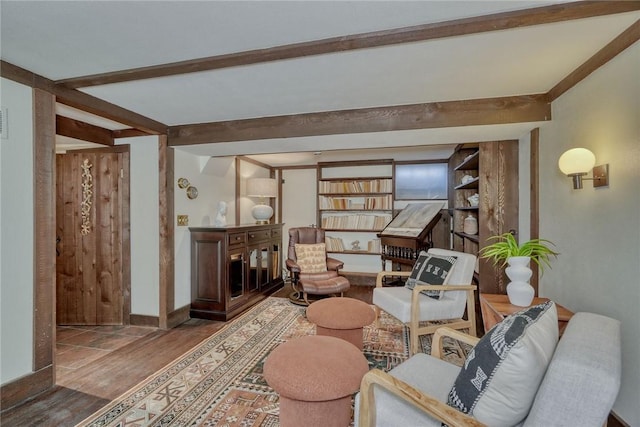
(236, 275)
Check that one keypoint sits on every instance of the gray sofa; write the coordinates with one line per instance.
(578, 389)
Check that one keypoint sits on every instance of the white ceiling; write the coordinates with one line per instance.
(60, 40)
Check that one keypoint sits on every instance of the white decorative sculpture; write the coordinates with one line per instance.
(221, 216)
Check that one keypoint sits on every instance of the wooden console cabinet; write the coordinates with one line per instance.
(233, 268)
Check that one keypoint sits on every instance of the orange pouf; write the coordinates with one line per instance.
(315, 377)
(341, 318)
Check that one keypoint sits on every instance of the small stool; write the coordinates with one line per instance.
(341, 318)
(315, 378)
(332, 285)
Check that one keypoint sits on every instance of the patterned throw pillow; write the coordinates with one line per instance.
(431, 270)
(311, 258)
(502, 373)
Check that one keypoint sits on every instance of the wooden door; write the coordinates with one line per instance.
(90, 234)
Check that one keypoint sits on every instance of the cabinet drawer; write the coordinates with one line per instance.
(237, 238)
(276, 232)
(259, 235)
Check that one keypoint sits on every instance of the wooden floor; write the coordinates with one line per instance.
(96, 365)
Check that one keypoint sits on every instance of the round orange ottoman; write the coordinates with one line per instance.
(315, 377)
(341, 318)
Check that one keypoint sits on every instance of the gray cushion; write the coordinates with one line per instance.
(428, 374)
(583, 378)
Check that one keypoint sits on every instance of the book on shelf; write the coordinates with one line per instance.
(356, 221)
(346, 203)
(356, 186)
(334, 244)
(374, 246)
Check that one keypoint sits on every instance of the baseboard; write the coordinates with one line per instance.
(144, 320)
(615, 421)
(26, 387)
(178, 316)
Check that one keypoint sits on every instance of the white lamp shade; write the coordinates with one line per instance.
(576, 161)
(262, 187)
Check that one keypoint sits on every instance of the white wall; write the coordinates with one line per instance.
(145, 223)
(597, 231)
(215, 180)
(16, 219)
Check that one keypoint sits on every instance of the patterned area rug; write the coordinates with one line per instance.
(220, 382)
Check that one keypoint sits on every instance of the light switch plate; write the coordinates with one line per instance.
(183, 220)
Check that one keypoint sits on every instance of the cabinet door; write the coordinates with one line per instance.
(259, 267)
(236, 274)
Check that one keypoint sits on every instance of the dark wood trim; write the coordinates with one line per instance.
(512, 109)
(237, 184)
(458, 27)
(167, 231)
(128, 133)
(124, 148)
(44, 256)
(178, 316)
(534, 197)
(283, 168)
(83, 101)
(604, 55)
(419, 162)
(125, 194)
(254, 162)
(144, 320)
(279, 200)
(15, 392)
(614, 420)
(83, 131)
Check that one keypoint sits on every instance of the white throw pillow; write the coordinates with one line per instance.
(501, 376)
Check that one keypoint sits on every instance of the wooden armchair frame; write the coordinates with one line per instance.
(435, 408)
(415, 330)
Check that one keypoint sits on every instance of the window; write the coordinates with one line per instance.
(425, 181)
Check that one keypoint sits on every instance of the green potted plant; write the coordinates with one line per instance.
(507, 250)
(506, 247)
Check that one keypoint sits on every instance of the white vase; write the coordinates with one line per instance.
(519, 290)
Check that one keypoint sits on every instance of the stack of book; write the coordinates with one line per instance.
(355, 222)
(334, 244)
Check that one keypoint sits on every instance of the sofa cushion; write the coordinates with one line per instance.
(431, 270)
(312, 258)
(502, 373)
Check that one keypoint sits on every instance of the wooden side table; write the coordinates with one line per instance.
(495, 307)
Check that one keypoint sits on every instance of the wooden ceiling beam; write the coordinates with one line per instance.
(604, 55)
(81, 100)
(458, 27)
(83, 131)
(513, 109)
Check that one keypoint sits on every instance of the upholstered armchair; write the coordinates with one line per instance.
(323, 282)
(412, 306)
(539, 380)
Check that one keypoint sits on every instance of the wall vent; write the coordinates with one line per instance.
(4, 129)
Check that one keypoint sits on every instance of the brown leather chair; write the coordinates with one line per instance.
(325, 283)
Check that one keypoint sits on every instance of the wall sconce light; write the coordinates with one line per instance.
(262, 188)
(192, 192)
(577, 162)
